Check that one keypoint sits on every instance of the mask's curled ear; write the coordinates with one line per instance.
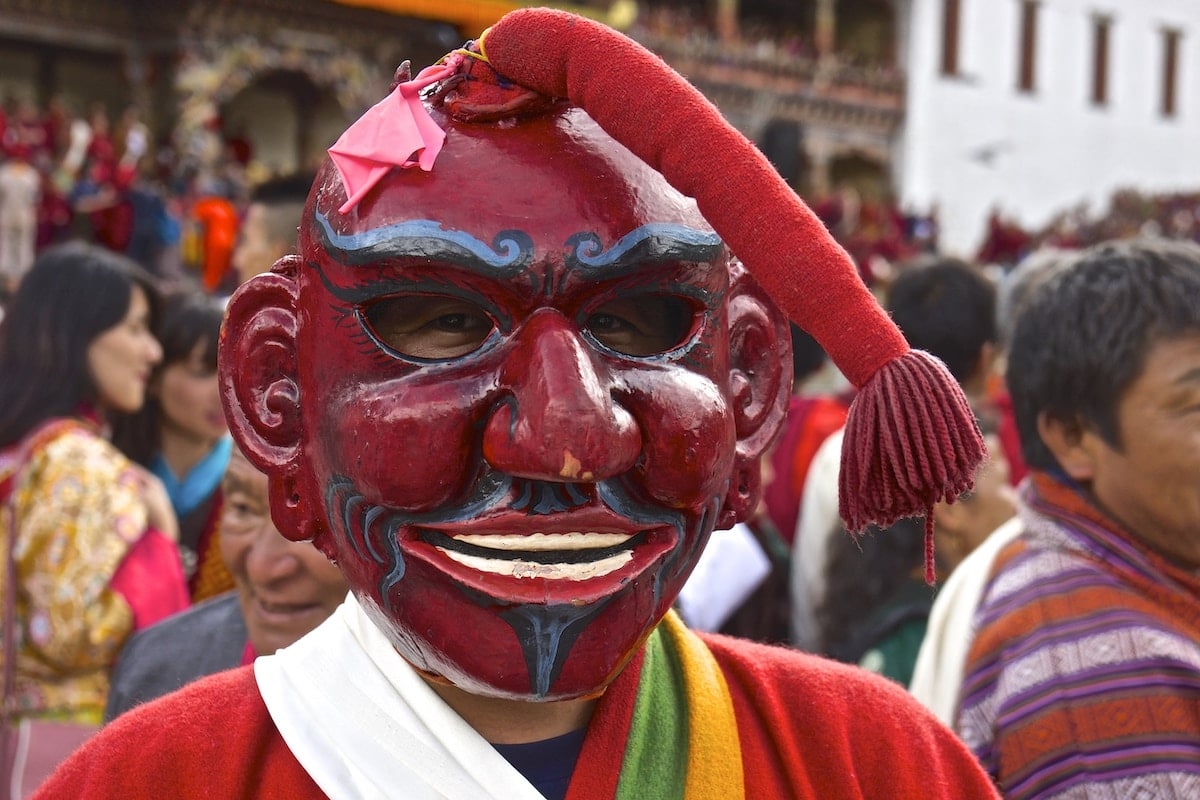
(760, 382)
(257, 373)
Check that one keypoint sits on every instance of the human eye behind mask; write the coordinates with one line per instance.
(428, 327)
(641, 325)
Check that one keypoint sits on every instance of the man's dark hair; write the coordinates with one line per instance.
(807, 355)
(283, 189)
(1082, 338)
(1035, 269)
(946, 307)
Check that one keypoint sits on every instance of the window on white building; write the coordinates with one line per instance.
(1101, 28)
(1027, 66)
(950, 9)
(1170, 71)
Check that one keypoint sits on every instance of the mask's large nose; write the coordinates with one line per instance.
(558, 421)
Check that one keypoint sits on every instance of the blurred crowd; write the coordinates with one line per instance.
(89, 177)
(878, 234)
(1130, 213)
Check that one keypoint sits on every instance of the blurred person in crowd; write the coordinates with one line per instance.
(180, 433)
(948, 307)
(512, 394)
(53, 214)
(156, 230)
(25, 130)
(268, 229)
(937, 675)
(876, 605)
(133, 137)
(89, 536)
(100, 201)
(101, 190)
(943, 306)
(57, 123)
(101, 148)
(1006, 243)
(1083, 677)
(284, 590)
(811, 417)
(876, 602)
(20, 195)
(960, 527)
(211, 230)
(74, 157)
(1025, 277)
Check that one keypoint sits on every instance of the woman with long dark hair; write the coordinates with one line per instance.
(87, 535)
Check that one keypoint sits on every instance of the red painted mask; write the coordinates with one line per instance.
(503, 396)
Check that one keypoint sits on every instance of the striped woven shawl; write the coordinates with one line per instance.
(1084, 675)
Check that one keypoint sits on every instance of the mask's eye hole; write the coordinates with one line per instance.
(428, 326)
(643, 324)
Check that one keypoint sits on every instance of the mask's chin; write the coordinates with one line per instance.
(539, 662)
(529, 652)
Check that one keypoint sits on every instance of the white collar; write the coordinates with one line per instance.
(363, 723)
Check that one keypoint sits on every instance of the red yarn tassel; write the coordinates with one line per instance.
(911, 442)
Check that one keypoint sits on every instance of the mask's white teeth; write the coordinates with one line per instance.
(516, 568)
(576, 540)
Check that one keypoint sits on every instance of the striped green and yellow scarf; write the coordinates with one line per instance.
(681, 736)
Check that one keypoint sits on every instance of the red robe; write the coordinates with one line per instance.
(808, 728)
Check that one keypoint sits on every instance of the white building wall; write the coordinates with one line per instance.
(973, 142)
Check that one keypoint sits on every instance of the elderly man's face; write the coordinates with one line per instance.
(285, 588)
(518, 405)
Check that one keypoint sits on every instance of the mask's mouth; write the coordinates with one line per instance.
(574, 555)
(577, 557)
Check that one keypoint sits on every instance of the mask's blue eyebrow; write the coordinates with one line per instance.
(510, 252)
(654, 242)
